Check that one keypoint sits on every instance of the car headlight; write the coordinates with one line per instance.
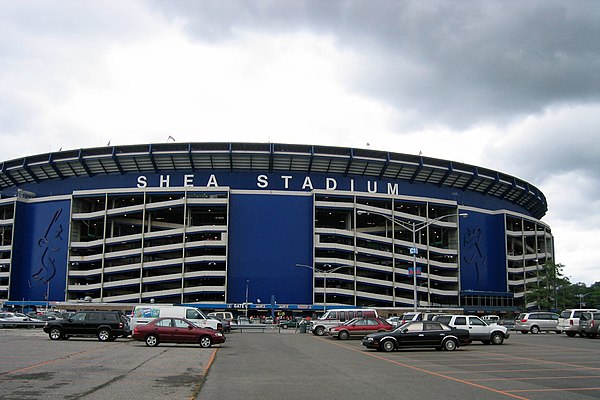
(218, 334)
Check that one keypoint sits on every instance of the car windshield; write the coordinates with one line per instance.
(565, 314)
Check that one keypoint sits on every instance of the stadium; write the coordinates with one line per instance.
(267, 226)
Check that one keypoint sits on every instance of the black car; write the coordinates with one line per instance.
(105, 325)
(418, 334)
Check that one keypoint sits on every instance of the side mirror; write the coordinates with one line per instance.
(190, 327)
(404, 330)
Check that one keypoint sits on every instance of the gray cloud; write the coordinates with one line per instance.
(453, 63)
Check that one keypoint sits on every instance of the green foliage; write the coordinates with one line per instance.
(556, 292)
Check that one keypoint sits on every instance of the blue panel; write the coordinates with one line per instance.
(483, 254)
(40, 254)
(268, 236)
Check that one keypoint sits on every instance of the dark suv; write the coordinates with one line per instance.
(105, 325)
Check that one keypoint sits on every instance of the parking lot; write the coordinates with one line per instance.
(288, 364)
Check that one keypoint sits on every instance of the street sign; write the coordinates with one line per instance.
(411, 271)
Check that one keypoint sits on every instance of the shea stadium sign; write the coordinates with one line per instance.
(294, 182)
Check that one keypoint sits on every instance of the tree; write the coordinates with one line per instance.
(553, 290)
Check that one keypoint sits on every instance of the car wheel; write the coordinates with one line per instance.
(524, 332)
(571, 334)
(449, 345)
(535, 330)
(104, 335)
(55, 333)
(343, 335)
(387, 345)
(319, 331)
(559, 332)
(152, 341)
(497, 338)
(205, 342)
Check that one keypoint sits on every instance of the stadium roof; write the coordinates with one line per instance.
(271, 157)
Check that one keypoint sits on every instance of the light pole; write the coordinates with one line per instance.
(414, 228)
(581, 297)
(246, 303)
(324, 272)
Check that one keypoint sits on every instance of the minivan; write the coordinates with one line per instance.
(223, 315)
(144, 313)
(536, 322)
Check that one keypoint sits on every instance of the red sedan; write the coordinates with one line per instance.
(176, 330)
(360, 327)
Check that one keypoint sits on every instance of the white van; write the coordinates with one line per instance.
(335, 317)
(144, 313)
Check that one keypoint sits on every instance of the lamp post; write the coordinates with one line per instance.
(414, 228)
(246, 303)
(324, 272)
(581, 297)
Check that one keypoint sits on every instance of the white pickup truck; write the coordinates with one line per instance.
(478, 328)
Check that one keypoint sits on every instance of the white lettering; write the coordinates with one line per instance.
(352, 185)
(392, 188)
(286, 180)
(212, 181)
(142, 181)
(331, 184)
(188, 180)
(165, 181)
(307, 183)
(262, 181)
(369, 187)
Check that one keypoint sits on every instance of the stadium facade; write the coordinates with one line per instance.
(221, 225)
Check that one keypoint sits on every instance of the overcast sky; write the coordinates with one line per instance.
(512, 86)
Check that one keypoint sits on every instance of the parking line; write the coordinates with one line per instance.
(536, 378)
(210, 361)
(52, 361)
(578, 389)
(370, 354)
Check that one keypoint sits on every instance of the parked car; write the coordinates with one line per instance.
(418, 334)
(536, 322)
(290, 323)
(335, 317)
(589, 322)
(105, 325)
(9, 319)
(360, 327)
(568, 322)
(176, 330)
(243, 321)
(477, 328)
(222, 315)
